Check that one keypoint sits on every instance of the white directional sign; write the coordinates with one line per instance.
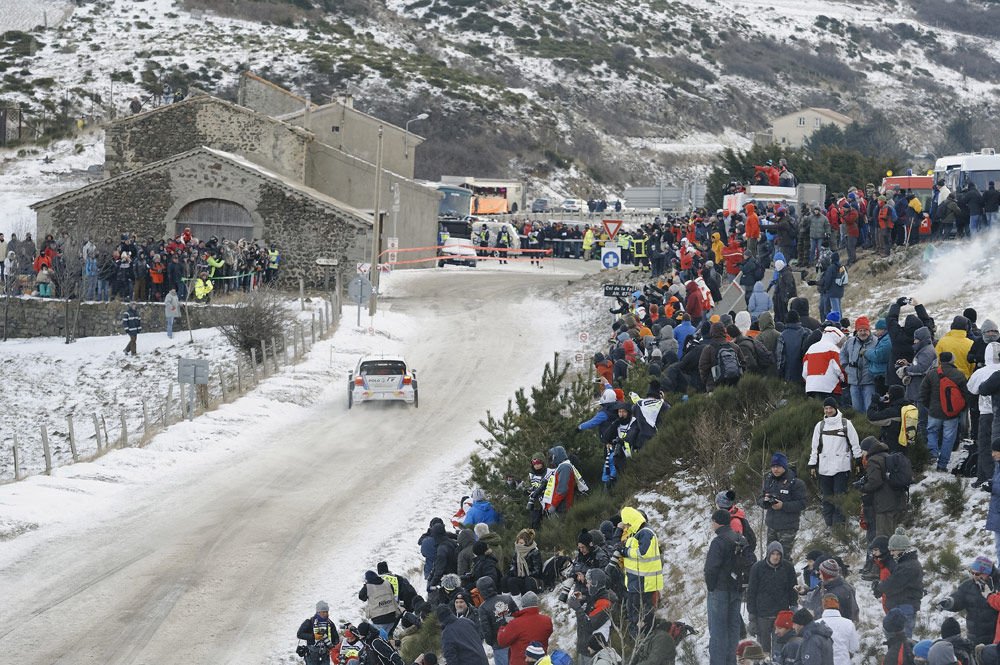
(611, 257)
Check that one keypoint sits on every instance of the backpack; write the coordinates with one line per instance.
(898, 471)
(727, 367)
(559, 657)
(748, 533)
(765, 359)
(952, 399)
(743, 559)
(908, 416)
(842, 278)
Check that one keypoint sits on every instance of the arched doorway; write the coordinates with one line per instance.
(215, 217)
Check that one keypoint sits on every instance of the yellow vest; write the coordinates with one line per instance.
(393, 582)
(588, 239)
(640, 248)
(202, 287)
(648, 566)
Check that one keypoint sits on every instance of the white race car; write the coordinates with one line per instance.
(379, 378)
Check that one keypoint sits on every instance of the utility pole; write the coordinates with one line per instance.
(376, 226)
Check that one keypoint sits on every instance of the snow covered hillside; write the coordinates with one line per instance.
(619, 93)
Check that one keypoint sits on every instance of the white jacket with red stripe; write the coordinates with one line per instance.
(821, 367)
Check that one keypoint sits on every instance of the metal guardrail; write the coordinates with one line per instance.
(594, 218)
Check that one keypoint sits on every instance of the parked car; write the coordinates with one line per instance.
(381, 378)
(573, 205)
(541, 205)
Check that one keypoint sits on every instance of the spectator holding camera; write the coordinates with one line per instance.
(783, 498)
(320, 634)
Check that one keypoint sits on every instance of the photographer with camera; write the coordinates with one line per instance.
(783, 498)
(320, 634)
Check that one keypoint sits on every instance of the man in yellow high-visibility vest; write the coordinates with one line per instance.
(643, 570)
(588, 243)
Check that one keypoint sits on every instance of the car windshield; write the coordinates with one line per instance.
(383, 368)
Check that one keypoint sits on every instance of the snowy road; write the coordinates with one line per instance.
(211, 566)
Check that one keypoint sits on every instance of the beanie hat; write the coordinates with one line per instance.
(896, 391)
(894, 621)
(382, 568)
(831, 401)
(721, 517)
(861, 323)
(868, 443)
(922, 649)
(597, 642)
(831, 602)
(784, 619)
(743, 321)
(450, 582)
(829, 568)
(793, 317)
(535, 651)
(942, 652)
(813, 555)
(947, 357)
(833, 317)
(881, 324)
(480, 548)
(802, 617)
(365, 629)
(981, 566)
(950, 627)
(960, 323)
(970, 314)
(481, 529)
(322, 606)
(898, 540)
(779, 459)
(478, 494)
(725, 499)
(881, 543)
(585, 538)
(529, 599)
(372, 578)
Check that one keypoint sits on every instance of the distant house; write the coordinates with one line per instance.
(792, 129)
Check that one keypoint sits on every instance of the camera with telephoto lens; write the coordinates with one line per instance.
(770, 500)
(565, 588)
(301, 651)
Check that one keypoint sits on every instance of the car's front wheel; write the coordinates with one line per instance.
(350, 397)
(416, 396)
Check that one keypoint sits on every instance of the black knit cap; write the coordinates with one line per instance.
(802, 617)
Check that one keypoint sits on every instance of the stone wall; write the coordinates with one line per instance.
(266, 97)
(170, 130)
(40, 317)
(303, 227)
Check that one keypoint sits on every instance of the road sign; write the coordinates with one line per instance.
(392, 243)
(326, 262)
(618, 290)
(359, 290)
(364, 268)
(584, 337)
(612, 226)
(192, 370)
(578, 358)
(611, 257)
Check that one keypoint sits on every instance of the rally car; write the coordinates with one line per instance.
(379, 378)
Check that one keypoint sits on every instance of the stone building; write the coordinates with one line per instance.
(231, 171)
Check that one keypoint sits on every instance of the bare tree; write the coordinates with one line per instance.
(67, 269)
(258, 315)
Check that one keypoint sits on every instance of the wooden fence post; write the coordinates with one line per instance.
(302, 293)
(104, 426)
(145, 418)
(72, 437)
(46, 451)
(239, 378)
(312, 329)
(295, 347)
(124, 439)
(17, 460)
(284, 349)
(97, 433)
(183, 403)
(222, 383)
(274, 349)
(263, 359)
(166, 407)
(302, 336)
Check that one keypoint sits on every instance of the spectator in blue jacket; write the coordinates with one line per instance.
(682, 332)
(482, 511)
(879, 355)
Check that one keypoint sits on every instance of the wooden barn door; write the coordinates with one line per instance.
(215, 217)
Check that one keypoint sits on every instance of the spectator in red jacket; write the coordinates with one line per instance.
(693, 304)
(527, 625)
